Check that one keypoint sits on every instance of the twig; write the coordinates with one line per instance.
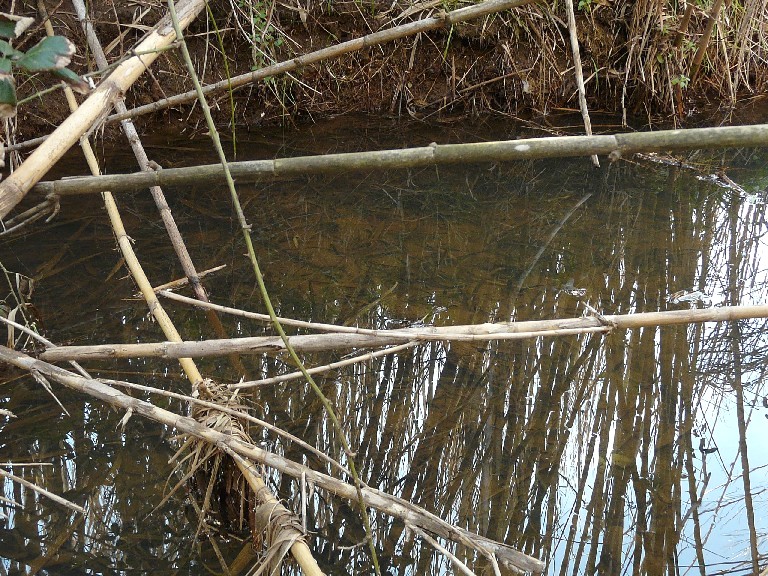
(181, 282)
(437, 546)
(579, 73)
(47, 208)
(42, 491)
(308, 343)
(325, 368)
(701, 49)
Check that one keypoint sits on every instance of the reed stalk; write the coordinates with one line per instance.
(466, 333)
(615, 146)
(579, 74)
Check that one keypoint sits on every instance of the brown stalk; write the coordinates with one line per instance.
(374, 498)
(701, 49)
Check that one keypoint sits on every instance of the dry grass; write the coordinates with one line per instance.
(639, 59)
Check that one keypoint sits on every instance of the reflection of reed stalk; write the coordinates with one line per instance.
(299, 549)
(735, 255)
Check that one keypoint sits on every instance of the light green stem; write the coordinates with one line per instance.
(246, 229)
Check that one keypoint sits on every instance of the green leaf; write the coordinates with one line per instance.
(7, 96)
(6, 50)
(76, 83)
(50, 53)
(12, 26)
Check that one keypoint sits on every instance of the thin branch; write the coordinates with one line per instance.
(326, 367)
(42, 491)
(437, 546)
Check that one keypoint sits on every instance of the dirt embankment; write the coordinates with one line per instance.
(641, 58)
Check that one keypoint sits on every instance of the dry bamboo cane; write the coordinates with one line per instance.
(616, 145)
(157, 193)
(95, 107)
(410, 29)
(374, 498)
(299, 549)
(466, 333)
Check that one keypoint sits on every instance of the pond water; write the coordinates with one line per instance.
(603, 454)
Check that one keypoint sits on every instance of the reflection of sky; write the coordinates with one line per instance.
(722, 514)
(728, 536)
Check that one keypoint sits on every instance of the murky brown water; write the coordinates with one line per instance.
(614, 454)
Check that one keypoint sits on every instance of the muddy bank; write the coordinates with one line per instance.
(647, 61)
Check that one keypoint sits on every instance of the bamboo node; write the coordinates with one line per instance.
(603, 320)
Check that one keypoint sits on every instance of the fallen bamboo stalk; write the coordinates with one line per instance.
(392, 505)
(615, 145)
(465, 333)
(445, 20)
(274, 345)
(95, 107)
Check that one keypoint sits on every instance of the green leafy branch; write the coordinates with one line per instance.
(52, 54)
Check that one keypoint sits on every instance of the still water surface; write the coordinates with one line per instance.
(609, 454)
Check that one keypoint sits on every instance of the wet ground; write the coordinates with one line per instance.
(609, 454)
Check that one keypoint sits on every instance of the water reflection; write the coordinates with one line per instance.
(598, 454)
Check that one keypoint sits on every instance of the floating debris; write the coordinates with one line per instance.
(693, 297)
(571, 290)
